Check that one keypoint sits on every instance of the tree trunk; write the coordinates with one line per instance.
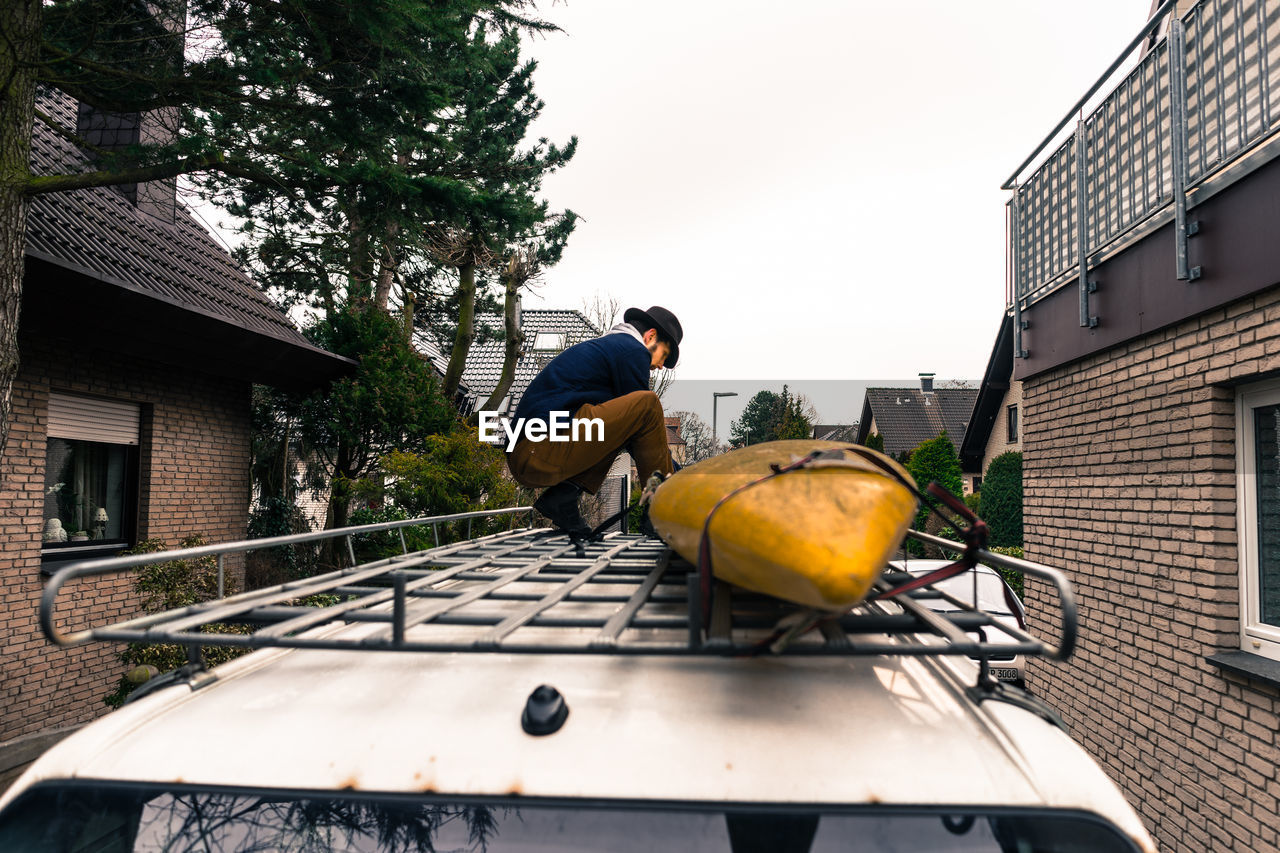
(410, 302)
(359, 264)
(390, 262)
(515, 339)
(339, 510)
(466, 330)
(20, 21)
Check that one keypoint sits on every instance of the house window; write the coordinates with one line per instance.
(1011, 415)
(549, 342)
(91, 473)
(1258, 492)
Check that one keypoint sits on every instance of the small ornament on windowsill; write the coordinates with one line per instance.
(53, 531)
(100, 523)
(80, 536)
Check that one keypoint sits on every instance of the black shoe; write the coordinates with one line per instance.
(560, 505)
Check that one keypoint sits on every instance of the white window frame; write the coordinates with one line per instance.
(1255, 638)
(549, 341)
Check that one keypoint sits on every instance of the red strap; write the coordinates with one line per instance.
(939, 574)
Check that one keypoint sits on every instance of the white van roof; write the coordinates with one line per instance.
(804, 727)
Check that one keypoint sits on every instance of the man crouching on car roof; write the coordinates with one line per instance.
(605, 378)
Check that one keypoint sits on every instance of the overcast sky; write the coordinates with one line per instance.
(813, 189)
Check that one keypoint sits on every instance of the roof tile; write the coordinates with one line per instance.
(484, 361)
(906, 417)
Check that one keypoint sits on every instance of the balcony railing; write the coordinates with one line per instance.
(1193, 115)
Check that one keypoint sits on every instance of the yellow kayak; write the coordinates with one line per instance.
(819, 535)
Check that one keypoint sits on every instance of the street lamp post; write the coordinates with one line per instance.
(715, 401)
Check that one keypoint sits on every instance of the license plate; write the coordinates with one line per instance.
(1004, 673)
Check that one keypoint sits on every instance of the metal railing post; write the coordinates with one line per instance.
(1018, 323)
(1179, 149)
(221, 578)
(1081, 201)
(397, 609)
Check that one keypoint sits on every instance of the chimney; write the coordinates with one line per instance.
(926, 382)
(116, 131)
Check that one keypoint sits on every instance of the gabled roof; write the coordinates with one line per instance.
(835, 432)
(906, 417)
(673, 431)
(995, 384)
(484, 361)
(170, 282)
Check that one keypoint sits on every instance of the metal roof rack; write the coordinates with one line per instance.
(527, 591)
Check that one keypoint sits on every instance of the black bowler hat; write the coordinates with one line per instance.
(665, 322)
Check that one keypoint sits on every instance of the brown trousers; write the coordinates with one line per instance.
(633, 421)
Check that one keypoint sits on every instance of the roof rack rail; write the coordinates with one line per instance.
(526, 591)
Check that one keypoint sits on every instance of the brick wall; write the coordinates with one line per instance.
(194, 455)
(1129, 477)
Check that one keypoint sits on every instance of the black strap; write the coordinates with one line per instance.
(613, 519)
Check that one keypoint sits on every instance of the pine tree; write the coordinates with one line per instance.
(772, 417)
(1002, 499)
(412, 177)
(935, 461)
(759, 422)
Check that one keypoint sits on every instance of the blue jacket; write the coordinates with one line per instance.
(590, 372)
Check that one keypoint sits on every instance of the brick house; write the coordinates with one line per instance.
(139, 342)
(1151, 440)
(995, 426)
(906, 417)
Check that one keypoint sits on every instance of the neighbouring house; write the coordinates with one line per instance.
(1151, 428)
(465, 398)
(675, 441)
(907, 417)
(835, 432)
(547, 332)
(139, 343)
(995, 426)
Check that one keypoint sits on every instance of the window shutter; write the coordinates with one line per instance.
(91, 419)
